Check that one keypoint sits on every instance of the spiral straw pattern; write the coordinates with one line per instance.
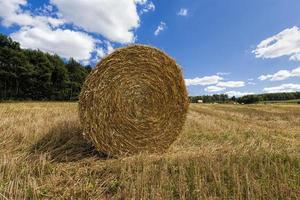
(135, 100)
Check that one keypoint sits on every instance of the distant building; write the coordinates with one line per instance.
(200, 101)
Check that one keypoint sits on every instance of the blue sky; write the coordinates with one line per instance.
(234, 47)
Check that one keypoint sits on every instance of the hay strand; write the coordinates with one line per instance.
(135, 100)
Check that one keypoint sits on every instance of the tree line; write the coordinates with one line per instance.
(33, 75)
(247, 99)
(216, 98)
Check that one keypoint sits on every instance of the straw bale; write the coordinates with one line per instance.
(135, 100)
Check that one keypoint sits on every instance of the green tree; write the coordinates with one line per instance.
(31, 74)
(77, 75)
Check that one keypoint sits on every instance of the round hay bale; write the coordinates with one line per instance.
(135, 100)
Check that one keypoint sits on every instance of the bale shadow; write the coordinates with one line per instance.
(65, 143)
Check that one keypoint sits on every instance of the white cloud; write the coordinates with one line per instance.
(110, 48)
(281, 75)
(264, 77)
(285, 43)
(290, 87)
(141, 2)
(278, 76)
(223, 73)
(216, 84)
(148, 5)
(231, 84)
(66, 43)
(114, 19)
(11, 13)
(42, 32)
(206, 80)
(237, 93)
(160, 28)
(183, 12)
(296, 72)
(9, 9)
(102, 52)
(44, 28)
(47, 9)
(214, 89)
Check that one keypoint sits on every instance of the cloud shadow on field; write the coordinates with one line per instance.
(65, 143)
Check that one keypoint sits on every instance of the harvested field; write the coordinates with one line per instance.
(224, 152)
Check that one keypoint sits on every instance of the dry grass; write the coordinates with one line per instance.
(225, 152)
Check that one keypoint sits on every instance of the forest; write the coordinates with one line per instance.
(33, 75)
(247, 99)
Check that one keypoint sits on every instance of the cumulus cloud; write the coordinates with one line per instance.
(114, 19)
(141, 2)
(160, 28)
(285, 43)
(281, 75)
(66, 43)
(231, 84)
(109, 48)
(9, 10)
(11, 13)
(148, 5)
(206, 80)
(101, 52)
(265, 77)
(43, 32)
(214, 89)
(216, 83)
(183, 12)
(44, 28)
(237, 93)
(223, 73)
(290, 87)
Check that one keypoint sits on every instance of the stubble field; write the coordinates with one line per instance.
(224, 152)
